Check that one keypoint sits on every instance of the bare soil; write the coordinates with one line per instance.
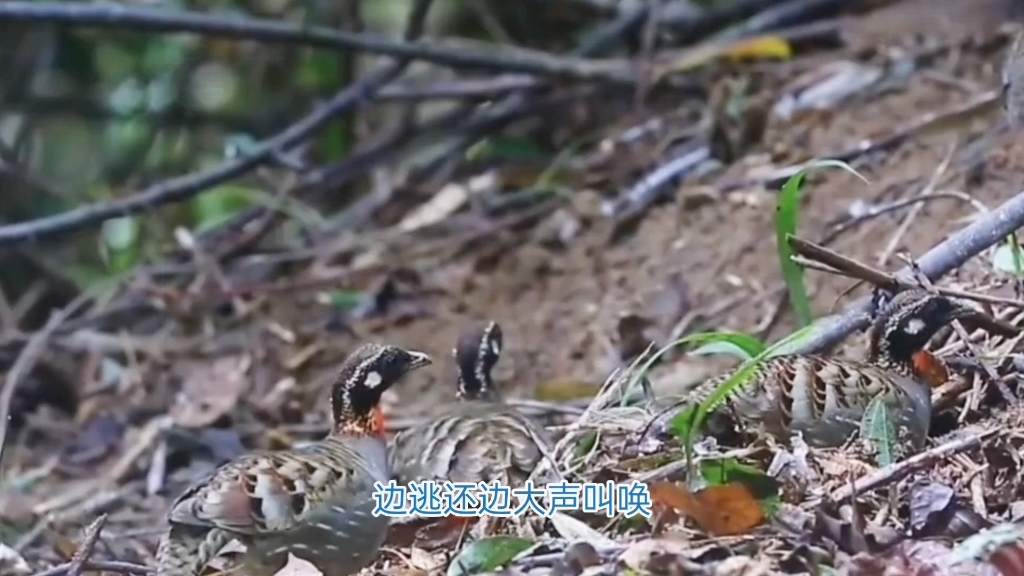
(560, 309)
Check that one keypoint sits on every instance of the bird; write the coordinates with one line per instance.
(825, 398)
(480, 437)
(315, 502)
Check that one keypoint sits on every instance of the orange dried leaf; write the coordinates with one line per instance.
(726, 510)
(760, 47)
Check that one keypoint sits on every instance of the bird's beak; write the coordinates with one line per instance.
(419, 360)
(961, 312)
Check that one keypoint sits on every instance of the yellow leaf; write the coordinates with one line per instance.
(703, 54)
(759, 47)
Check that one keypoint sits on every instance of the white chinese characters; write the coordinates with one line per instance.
(466, 499)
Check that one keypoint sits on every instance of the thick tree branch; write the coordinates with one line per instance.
(185, 187)
(989, 229)
(461, 53)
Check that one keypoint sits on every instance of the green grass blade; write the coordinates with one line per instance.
(877, 427)
(787, 214)
(738, 378)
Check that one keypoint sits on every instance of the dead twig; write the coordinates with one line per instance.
(185, 187)
(89, 539)
(987, 230)
(894, 472)
(108, 566)
(929, 188)
(462, 53)
(26, 360)
(838, 264)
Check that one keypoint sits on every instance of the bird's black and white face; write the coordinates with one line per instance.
(907, 322)
(476, 353)
(365, 375)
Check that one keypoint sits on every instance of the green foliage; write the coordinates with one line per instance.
(219, 204)
(685, 424)
(120, 246)
(786, 216)
(332, 72)
(740, 345)
(1008, 259)
(164, 54)
(505, 149)
(487, 555)
(345, 299)
(726, 471)
(586, 444)
(877, 427)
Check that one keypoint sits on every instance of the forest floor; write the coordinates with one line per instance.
(707, 258)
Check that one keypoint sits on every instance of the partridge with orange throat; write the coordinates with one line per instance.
(479, 438)
(825, 398)
(314, 502)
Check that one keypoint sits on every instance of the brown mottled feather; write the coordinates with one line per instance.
(314, 502)
(825, 398)
(478, 439)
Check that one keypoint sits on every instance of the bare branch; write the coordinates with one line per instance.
(989, 229)
(460, 54)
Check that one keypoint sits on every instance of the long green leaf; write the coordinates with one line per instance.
(787, 214)
(487, 555)
(876, 426)
(738, 378)
(742, 341)
(743, 346)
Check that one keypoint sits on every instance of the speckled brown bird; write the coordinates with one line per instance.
(314, 502)
(825, 398)
(478, 438)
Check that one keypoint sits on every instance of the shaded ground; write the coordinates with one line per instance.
(560, 321)
(560, 309)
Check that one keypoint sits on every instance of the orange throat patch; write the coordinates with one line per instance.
(370, 425)
(930, 368)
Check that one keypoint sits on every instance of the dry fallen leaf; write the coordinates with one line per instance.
(210, 389)
(575, 559)
(424, 561)
(447, 201)
(298, 567)
(760, 47)
(11, 562)
(638, 554)
(743, 566)
(727, 510)
(574, 529)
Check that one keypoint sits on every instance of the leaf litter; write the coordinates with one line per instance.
(850, 510)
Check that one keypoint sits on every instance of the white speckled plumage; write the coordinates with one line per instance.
(314, 502)
(479, 438)
(825, 398)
